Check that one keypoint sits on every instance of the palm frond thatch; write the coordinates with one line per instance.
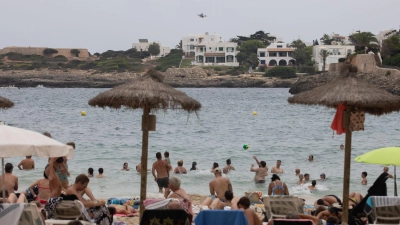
(346, 88)
(5, 103)
(148, 90)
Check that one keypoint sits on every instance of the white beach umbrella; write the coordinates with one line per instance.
(17, 142)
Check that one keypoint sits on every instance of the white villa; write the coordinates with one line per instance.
(209, 49)
(143, 45)
(336, 52)
(276, 54)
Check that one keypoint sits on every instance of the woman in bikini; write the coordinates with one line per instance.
(126, 208)
(277, 187)
(43, 190)
(174, 184)
(180, 169)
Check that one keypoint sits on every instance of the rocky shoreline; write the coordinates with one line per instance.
(190, 77)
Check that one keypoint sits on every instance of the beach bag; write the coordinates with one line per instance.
(70, 210)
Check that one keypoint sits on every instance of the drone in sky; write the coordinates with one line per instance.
(201, 15)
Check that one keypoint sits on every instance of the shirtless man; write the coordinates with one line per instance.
(228, 166)
(364, 178)
(81, 183)
(251, 216)
(301, 181)
(100, 175)
(312, 186)
(139, 168)
(27, 164)
(277, 169)
(54, 180)
(261, 172)
(125, 167)
(329, 200)
(218, 187)
(10, 180)
(162, 167)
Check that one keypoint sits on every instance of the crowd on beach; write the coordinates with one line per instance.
(46, 192)
(222, 194)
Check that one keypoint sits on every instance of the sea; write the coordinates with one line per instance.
(106, 138)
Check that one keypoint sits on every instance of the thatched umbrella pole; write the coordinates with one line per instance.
(5, 103)
(346, 170)
(145, 148)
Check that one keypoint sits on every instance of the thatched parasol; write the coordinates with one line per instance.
(5, 103)
(151, 94)
(357, 94)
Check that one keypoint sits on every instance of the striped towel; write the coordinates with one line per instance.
(155, 203)
(380, 201)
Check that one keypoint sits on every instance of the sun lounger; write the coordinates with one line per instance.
(279, 206)
(164, 216)
(293, 222)
(385, 209)
(221, 217)
(20, 214)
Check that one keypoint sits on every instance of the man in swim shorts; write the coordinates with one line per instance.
(218, 187)
(162, 167)
(261, 171)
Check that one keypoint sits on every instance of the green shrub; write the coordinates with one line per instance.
(235, 71)
(262, 68)
(170, 60)
(49, 51)
(387, 73)
(158, 68)
(217, 69)
(73, 64)
(307, 69)
(21, 66)
(342, 60)
(13, 56)
(75, 52)
(281, 72)
(60, 58)
(392, 61)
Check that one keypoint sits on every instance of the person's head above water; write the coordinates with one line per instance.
(310, 158)
(275, 177)
(228, 162)
(322, 176)
(215, 165)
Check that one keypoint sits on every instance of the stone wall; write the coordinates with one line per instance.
(194, 72)
(84, 53)
(366, 63)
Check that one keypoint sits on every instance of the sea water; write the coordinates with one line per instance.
(107, 138)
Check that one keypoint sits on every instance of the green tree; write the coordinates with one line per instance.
(390, 46)
(300, 56)
(324, 54)
(251, 46)
(259, 35)
(326, 39)
(316, 42)
(49, 51)
(248, 52)
(154, 49)
(297, 44)
(179, 46)
(75, 52)
(363, 41)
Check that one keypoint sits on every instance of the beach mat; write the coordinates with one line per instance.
(121, 201)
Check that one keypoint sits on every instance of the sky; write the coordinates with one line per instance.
(101, 25)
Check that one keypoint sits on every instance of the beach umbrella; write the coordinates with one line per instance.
(16, 142)
(382, 156)
(356, 95)
(150, 94)
(5, 103)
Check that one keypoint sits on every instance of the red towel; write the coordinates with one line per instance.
(337, 123)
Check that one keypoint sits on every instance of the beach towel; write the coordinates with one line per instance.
(10, 213)
(126, 215)
(337, 123)
(221, 217)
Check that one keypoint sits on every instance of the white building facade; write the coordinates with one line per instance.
(209, 49)
(144, 44)
(276, 54)
(335, 53)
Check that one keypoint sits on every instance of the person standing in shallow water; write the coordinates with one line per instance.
(277, 169)
(194, 166)
(162, 167)
(228, 167)
(261, 171)
(364, 178)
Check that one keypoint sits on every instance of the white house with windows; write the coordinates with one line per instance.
(335, 53)
(144, 44)
(276, 54)
(209, 49)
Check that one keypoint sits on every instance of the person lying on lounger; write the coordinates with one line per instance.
(126, 208)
